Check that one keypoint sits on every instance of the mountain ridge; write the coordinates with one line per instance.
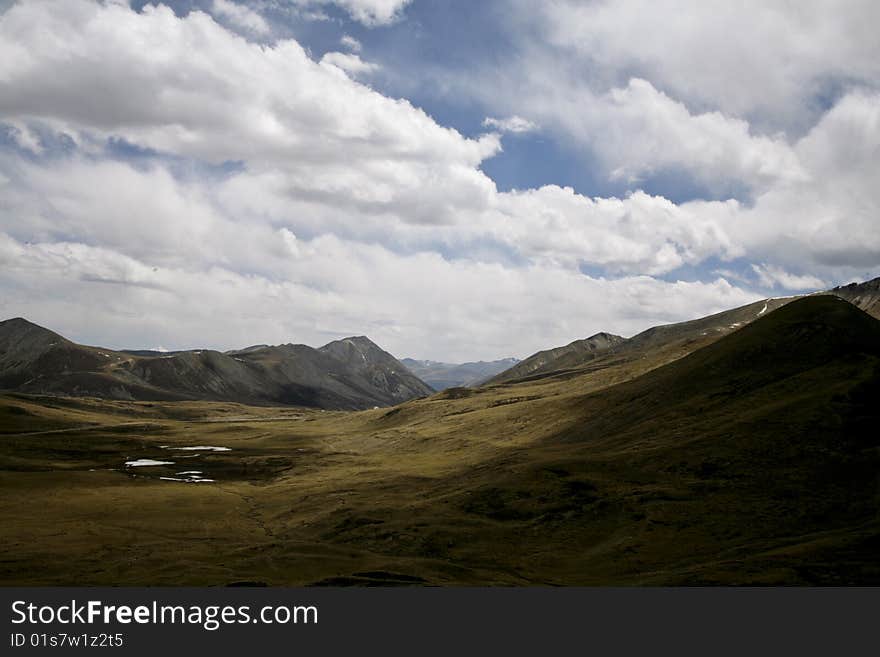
(865, 296)
(576, 352)
(37, 360)
(676, 339)
(350, 373)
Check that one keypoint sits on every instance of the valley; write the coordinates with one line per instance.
(747, 455)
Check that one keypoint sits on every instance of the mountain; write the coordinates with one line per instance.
(650, 348)
(863, 295)
(35, 358)
(752, 460)
(573, 354)
(347, 374)
(667, 342)
(382, 370)
(802, 338)
(452, 375)
(352, 373)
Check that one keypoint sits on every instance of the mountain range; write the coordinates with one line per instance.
(348, 374)
(661, 344)
(441, 376)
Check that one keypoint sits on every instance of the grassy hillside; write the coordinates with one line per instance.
(753, 460)
(655, 346)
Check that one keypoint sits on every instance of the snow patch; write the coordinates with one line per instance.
(195, 479)
(140, 463)
(202, 448)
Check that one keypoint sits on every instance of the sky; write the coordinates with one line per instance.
(456, 180)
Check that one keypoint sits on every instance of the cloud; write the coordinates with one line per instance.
(241, 17)
(65, 286)
(515, 124)
(637, 234)
(350, 43)
(98, 72)
(638, 130)
(784, 56)
(24, 137)
(245, 100)
(349, 63)
(235, 219)
(369, 12)
(826, 223)
(643, 89)
(770, 276)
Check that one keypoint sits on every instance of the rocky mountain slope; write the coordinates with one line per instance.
(862, 295)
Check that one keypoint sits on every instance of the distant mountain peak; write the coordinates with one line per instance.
(368, 350)
(360, 341)
(441, 375)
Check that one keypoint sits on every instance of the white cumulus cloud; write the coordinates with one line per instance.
(240, 16)
(515, 124)
(348, 62)
(771, 276)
